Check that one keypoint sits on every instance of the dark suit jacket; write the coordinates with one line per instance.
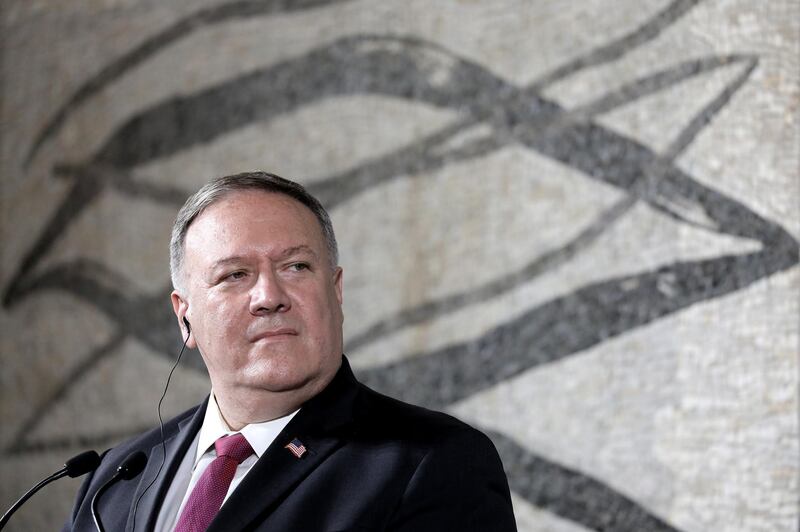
(373, 463)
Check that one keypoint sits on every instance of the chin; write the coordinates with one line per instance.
(282, 376)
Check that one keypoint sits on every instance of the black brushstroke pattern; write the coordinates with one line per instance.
(148, 318)
(151, 46)
(548, 261)
(619, 47)
(571, 494)
(518, 116)
(432, 309)
(19, 442)
(570, 324)
(397, 67)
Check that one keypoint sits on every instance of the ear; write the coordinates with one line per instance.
(337, 284)
(181, 308)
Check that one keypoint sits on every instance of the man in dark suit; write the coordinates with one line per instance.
(288, 439)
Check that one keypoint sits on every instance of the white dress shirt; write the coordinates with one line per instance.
(201, 453)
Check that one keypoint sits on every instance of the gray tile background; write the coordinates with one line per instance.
(573, 224)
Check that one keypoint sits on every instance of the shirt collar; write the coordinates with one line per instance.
(258, 435)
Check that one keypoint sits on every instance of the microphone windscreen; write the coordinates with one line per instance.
(81, 464)
(132, 465)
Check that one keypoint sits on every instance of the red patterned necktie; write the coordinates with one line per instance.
(210, 490)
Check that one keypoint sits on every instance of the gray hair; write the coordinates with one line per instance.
(221, 187)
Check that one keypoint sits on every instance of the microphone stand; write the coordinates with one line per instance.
(74, 467)
(28, 494)
(130, 468)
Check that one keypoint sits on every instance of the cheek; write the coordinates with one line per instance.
(221, 324)
(327, 318)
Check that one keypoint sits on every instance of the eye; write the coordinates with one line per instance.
(234, 276)
(299, 266)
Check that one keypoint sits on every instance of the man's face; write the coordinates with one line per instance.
(259, 292)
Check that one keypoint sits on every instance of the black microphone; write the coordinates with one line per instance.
(81, 464)
(128, 469)
(74, 467)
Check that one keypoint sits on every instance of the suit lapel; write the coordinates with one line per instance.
(273, 477)
(323, 425)
(176, 446)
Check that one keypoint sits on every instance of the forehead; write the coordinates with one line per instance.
(254, 218)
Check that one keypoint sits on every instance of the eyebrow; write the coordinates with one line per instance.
(294, 250)
(288, 252)
(236, 259)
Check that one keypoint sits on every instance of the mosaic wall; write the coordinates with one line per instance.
(572, 224)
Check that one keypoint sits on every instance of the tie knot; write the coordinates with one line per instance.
(234, 446)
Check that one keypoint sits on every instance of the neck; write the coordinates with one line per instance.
(237, 415)
(244, 406)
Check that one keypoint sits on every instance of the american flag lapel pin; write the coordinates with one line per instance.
(296, 447)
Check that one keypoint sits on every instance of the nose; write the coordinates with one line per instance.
(268, 295)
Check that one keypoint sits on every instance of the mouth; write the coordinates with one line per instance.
(275, 334)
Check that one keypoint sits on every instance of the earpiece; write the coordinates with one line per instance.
(161, 421)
